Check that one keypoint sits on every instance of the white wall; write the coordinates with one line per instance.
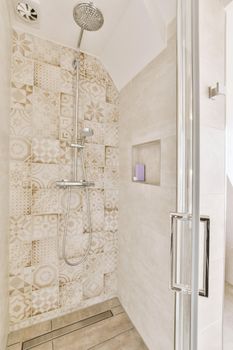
(5, 35)
(229, 133)
(212, 69)
(147, 113)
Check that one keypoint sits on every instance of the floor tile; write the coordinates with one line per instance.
(28, 333)
(46, 346)
(98, 333)
(15, 347)
(129, 340)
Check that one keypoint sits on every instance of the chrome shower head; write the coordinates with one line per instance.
(87, 132)
(88, 17)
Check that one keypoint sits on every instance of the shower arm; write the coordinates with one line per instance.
(80, 38)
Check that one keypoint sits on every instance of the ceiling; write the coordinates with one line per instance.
(134, 31)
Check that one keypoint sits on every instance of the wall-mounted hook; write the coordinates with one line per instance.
(216, 91)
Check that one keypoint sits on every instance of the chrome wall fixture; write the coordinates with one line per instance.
(215, 91)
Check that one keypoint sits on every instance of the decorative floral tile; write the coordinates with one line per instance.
(44, 251)
(95, 155)
(35, 241)
(67, 82)
(74, 223)
(111, 178)
(68, 273)
(45, 114)
(47, 77)
(96, 200)
(16, 283)
(97, 221)
(67, 58)
(92, 69)
(92, 89)
(46, 201)
(94, 264)
(44, 276)
(20, 174)
(71, 295)
(111, 241)
(22, 44)
(93, 286)
(111, 199)
(45, 300)
(76, 246)
(112, 157)
(46, 51)
(20, 149)
(96, 175)
(111, 220)
(44, 175)
(45, 151)
(46, 102)
(112, 95)
(21, 97)
(19, 306)
(75, 197)
(65, 171)
(93, 109)
(110, 261)
(65, 152)
(98, 241)
(20, 228)
(110, 284)
(66, 129)
(22, 70)
(67, 105)
(98, 136)
(19, 255)
(44, 226)
(20, 201)
(111, 113)
(111, 134)
(20, 123)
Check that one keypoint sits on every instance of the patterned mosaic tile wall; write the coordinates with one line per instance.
(42, 286)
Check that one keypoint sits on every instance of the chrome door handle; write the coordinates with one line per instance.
(177, 286)
(204, 292)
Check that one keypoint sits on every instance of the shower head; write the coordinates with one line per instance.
(88, 17)
(87, 132)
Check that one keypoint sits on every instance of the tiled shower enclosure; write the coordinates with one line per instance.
(42, 286)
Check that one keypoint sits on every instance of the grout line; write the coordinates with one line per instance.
(115, 336)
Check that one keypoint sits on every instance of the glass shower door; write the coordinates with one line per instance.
(185, 222)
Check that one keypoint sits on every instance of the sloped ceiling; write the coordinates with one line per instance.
(134, 31)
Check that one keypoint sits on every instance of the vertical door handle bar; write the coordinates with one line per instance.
(204, 292)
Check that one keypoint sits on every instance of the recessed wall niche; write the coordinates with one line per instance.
(146, 163)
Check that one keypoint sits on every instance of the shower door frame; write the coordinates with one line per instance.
(188, 173)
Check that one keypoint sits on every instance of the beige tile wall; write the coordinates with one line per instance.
(5, 57)
(42, 286)
(147, 113)
(212, 70)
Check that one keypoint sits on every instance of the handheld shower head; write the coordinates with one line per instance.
(87, 132)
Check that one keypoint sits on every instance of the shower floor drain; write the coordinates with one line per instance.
(57, 333)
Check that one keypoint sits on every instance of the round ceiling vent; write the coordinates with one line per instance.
(26, 12)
